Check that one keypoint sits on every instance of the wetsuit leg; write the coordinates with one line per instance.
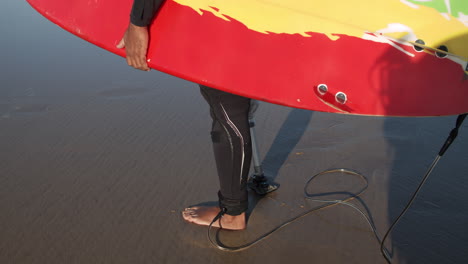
(232, 147)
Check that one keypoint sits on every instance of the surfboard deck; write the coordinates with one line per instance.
(351, 57)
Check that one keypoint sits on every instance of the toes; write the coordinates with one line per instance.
(190, 209)
(187, 212)
(187, 217)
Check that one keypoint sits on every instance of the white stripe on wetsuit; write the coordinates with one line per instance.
(236, 130)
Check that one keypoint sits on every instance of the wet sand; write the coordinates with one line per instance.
(97, 160)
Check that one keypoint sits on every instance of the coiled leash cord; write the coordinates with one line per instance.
(218, 244)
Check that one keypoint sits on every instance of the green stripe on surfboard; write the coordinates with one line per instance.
(454, 8)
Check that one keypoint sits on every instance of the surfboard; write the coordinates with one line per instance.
(366, 57)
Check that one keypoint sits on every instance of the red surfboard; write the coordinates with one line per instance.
(333, 71)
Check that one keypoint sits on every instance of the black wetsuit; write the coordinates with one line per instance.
(230, 131)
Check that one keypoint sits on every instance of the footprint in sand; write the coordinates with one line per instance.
(31, 108)
(123, 92)
(6, 111)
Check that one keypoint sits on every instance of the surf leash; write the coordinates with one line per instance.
(329, 203)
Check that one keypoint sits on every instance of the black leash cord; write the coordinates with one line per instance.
(453, 134)
(218, 244)
(451, 138)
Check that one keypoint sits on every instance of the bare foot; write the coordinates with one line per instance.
(203, 215)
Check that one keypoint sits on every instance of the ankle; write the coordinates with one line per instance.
(237, 218)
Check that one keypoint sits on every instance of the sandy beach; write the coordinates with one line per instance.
(97, 160)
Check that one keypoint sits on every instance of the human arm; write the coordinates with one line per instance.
(136, 38)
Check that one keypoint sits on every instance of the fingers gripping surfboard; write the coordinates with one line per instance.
(366, 57)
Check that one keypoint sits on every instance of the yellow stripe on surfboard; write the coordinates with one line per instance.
(398, 19)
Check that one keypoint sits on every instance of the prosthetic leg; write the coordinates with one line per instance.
(257, 182)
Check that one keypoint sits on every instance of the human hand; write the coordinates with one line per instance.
(135, 41)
